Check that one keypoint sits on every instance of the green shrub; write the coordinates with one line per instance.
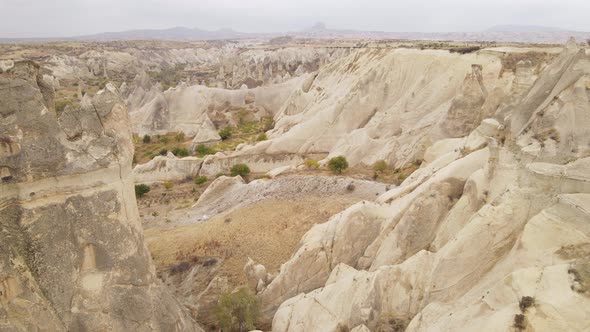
(380, 166)
(203, 150)
(261, 137)
(238, 311)
(141, 189)
(225, 133)
(163, 152)
(147, 139)
(338, 164)
(200, 180)
(180, 152)
(311, 164)
(240, 169)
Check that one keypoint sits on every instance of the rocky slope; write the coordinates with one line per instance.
(72, 256)
(384, 104)
(491, 233)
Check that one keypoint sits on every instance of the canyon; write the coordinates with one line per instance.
(464, 204)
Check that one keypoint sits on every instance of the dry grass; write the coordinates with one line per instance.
(268, 231)
(144, 152)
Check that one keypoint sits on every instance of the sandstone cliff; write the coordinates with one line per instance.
(72, 256)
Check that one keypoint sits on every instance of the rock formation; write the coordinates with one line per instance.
(491, 233)
(72, 256)
(166, 168)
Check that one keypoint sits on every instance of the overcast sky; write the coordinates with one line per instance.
(61, 18)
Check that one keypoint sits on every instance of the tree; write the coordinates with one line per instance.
(141, 189)
(338, 164)
(225, 133)
(240, 169)
(238, 311)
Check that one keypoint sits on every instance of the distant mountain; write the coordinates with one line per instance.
(499, 33)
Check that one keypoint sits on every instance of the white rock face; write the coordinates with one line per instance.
(166, 168)
(381, 105)
(492, 233)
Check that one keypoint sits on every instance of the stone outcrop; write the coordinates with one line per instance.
(491, 233)
(72, 256)
(167, 168)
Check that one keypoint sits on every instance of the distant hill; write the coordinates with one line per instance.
(177, 33)
(523, 28)
(499, 33)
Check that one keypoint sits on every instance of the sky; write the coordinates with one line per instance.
(64, 18)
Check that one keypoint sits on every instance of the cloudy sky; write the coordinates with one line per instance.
(61, 18)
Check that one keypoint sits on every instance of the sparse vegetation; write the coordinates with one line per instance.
(141, 190)
(163, 152)
(520, 322)
(203, 150)
(526, 302)
(147, 139)
(225, 133)
(240, 169)
(391, 323)
(179, 137)
(338, 164)
(465, 50)
(200, 180)
(180, 152)
(168, 185)
(238, 311)
(60, 105)
(311, 164)
(380, 166)
(261, 137)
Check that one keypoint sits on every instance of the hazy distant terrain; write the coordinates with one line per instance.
(499, 33)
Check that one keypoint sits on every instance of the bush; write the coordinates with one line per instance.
(261, 137)
(311, 164)
(225, 133)
(200, 180)
(141, 189)
(240, 169)
(380, 166)
(180, 152)
(338, 164)
(60, 105)
(147, 139)
(237, 311)
(163, 152)
(168, 185)
(203, 150)
(179, 137)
